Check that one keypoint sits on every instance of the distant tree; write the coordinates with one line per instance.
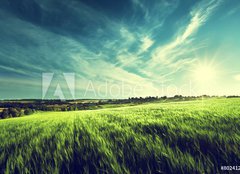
(178, 96)
(70, 108)
(100, 102)
(164, 97)
(5, 114)
(28, 111)
(75, 108)
(14, 112)
(205, 96)
(21, 112)
(233, 96)
(63, 109)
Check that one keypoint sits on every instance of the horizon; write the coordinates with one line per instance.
(109, 50)
(143, 97)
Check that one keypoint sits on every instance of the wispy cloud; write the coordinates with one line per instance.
(199, 16)
(233, 11)
(144, 44)
(178, 53)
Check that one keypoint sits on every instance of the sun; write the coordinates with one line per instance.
(204, 73)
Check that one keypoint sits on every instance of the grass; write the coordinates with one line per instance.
(180, 137)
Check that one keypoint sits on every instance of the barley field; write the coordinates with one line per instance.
(176, 137)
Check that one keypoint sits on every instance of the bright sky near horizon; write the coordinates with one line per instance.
(119, 49)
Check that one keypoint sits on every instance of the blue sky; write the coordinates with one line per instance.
(119, 49)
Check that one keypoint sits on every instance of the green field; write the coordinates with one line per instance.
(179, 137)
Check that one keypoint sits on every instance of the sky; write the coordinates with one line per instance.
(119, 49)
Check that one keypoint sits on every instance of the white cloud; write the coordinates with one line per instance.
(146, 43)
(127, 35)
(180, 47)
(199, 17)
(119, 54)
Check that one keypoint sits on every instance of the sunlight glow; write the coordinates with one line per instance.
(204, 73)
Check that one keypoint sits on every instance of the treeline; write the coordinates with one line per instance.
(18, 108)
(233, 96)
(15, 112)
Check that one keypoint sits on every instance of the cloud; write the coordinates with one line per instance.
(198, 17)
(83, 38)
(233, 11)
(14, 70)
(128, 37)
(58, 53)
(146, 43)
(179, 52)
